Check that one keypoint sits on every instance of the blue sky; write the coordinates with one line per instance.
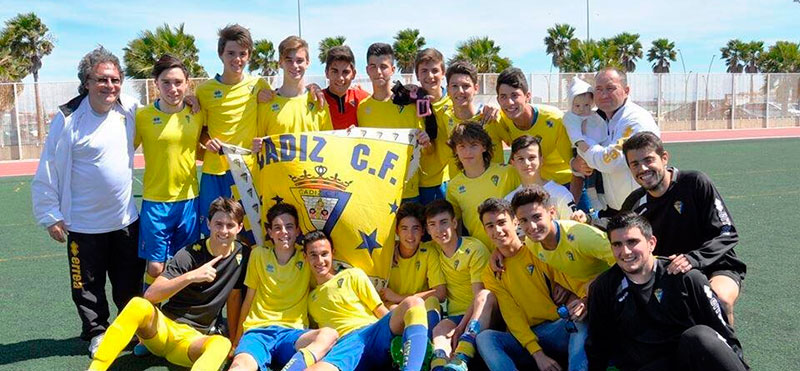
(698, 28)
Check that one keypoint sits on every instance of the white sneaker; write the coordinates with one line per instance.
(95, 343)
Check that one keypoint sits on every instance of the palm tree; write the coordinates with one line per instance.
(328, 43)
(263, 58)
(406, 44)
(482, 53)
(661, 53)
(733, 54)
(557, 43)
(752, 55)
(629, 49)
(28, 39)
(142, 52)
(783, 57)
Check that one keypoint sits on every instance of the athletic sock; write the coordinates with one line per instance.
(215, 352)
(466, 343)
(439, 360)
(415, 338)
(147, 281)
(119, 333)
(434, 314)
(300, 361)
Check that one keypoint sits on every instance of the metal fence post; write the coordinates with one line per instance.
(658, 102)
(696, 100)
(146, 93)
(766, 102)
(733, 101)
(16, 119)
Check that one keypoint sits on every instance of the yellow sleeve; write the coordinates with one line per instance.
(597, 245)
(434, 274)
(325, 120)
(478, 262)
(499, 136)
(450, 196)
(365, 290)
(512, 313)
(253, 264)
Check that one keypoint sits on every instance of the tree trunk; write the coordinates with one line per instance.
(39, 110)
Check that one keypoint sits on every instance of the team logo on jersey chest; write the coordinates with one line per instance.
(658, 294)
(156, 120)
(340, 282)
(455, 264)
(416, 265)
(678, 206)
(299, 265)
(238, 259)
(495, 179)
(275, 107)
(570, 256)
(530, 269)
(570, 236)
(270, 268)
(311, 106)
(217, 94)
(462, 189)
(550, 124)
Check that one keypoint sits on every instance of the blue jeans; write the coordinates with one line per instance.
(501, 351)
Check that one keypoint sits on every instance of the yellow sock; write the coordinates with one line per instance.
(432, 303)
(119, 333)
(215, 352)
(308, 357)
(416, 316)
(466, 348)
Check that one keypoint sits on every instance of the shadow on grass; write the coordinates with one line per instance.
(127, 361)
(41, 348)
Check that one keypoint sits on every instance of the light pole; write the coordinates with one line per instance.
(299, 26)
(587, 20)
(685, 79)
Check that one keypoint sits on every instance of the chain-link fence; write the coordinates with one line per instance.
(677, 101)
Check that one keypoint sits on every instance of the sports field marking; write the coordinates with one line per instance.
(45, 256)
(768, 194)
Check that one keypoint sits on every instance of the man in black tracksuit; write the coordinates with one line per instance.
(642, 318)
(693, 226)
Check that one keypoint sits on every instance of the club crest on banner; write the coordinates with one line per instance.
(323, 198)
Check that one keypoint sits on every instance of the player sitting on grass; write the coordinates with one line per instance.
(276, 304)
(340, 69)
(229, 102)
(479, 179)
(168, 133)
(348, 302)
(198, 281)
(524, 293)
(416, 270)
(469, 305)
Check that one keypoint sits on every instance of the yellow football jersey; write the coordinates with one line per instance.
(466, 194)
(345, 302)
(548, 125)
(292, 115)
(462, 270)
(231, 114)
(373, 113)
(433, 166)
(416, 274)
(169, 143)
(495, 130)
(582, 252)
(523, 293)
(281, 297)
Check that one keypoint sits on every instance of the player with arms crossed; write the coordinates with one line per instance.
(347, 302)
(198, 282)
(275, 309)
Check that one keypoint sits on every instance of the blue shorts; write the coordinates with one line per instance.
(364, 349)
(429, 194)
(211, 187)
(270, 346)
(166, 227)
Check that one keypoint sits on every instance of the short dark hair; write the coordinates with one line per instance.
(237, 33)
(437, 207)
(228, 206)
(411, 209)
(340, 53)
(531, 194)
(462, 67)
(380, 49)
(525, 141)
(494, 205)
(643, 140)
(280, 209)
(471, 131)
(167, 62)
(627, 220)
(513, 77)
(314, 236)
(428, 55)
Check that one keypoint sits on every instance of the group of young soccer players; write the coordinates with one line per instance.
(491, 259)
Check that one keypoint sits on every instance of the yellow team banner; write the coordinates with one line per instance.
(347, 183)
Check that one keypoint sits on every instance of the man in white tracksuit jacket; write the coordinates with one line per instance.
(82, 192)
(624, 119)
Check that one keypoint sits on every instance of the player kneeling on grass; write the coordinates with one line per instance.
(276, 304)
(347, 302)
(536, 334)
(470, 306)
(199, 280)
(416, 270)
